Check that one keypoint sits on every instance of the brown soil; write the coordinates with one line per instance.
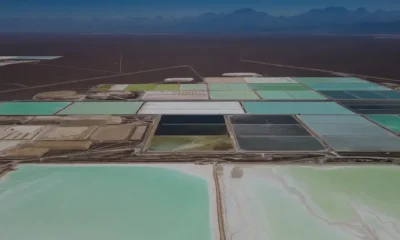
(209, 55)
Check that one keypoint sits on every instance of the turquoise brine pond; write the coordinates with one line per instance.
(283, 108)
(103, 202)
(303, 203)
(31, 108)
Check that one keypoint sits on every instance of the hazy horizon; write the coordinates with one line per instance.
(176, 8)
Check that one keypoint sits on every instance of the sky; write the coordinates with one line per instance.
(177, 8)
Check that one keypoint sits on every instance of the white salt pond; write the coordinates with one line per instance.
(301, 203)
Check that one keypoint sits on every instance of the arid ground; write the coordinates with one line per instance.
(89, 60)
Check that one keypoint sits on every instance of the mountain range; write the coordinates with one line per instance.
(330, 20)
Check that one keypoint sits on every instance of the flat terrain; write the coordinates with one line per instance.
(200, 202)
(331, 202)
(93, 59)
(127, 201)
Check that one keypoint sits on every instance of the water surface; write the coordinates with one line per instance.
(303, 203)
(103, 202)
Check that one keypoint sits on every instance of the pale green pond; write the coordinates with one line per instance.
(103, 202)
(307, 203)
(177, 201)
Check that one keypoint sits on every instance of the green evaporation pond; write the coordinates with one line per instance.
(277, 87)
(233, 95)
(218, 87)
(103, 87)
(290, 95)
(31, 108)
(275, 95)
(193, 87)
(103, 202)
(167, 87)
(102, 108)
(303, 203)
(191, 143)
(294, 108)
(347, 86)
(239, 87)
(306, 95)
(391, 122)
(330, 80)
(140, 87)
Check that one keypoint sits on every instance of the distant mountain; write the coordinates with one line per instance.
(374, 28)
(341, 15)
(327, 20)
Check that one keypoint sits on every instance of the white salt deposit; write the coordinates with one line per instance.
(191, 108)
(118, 87)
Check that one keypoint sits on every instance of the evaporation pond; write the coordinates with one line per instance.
(31, 108)
(308, 202)
(103, 202)
(191, 143)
